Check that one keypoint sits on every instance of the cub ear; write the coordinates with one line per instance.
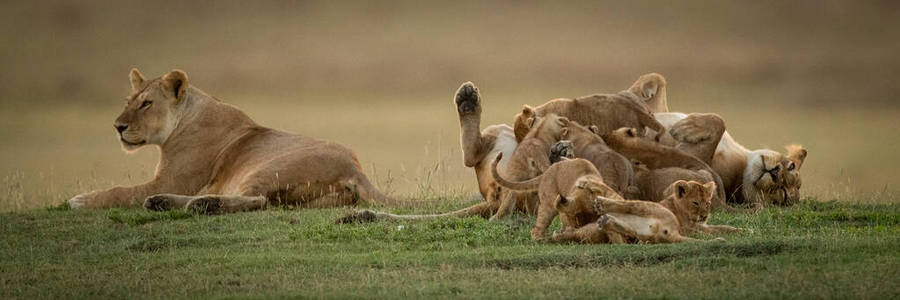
(562, 121)
(648, 85)
(531, 121)
(137, 79)
(681, 188)
(564, 133)
(594, 129)
(710, 188)
(796, 153)
(177, 80)
(527, 110)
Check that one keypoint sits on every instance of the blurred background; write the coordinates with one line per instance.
(379, 77)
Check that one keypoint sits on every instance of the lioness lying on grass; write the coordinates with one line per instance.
(214, 158)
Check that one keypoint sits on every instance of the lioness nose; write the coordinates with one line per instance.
(120, 127)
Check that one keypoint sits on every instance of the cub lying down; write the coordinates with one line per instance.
(684, 211)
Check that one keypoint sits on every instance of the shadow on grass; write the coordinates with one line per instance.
(643, 255)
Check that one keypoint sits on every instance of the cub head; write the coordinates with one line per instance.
(651, 88)
(693, 198)
(523, 122)
(577, 208)
(773, 177)
(149, 115)
(551, 126)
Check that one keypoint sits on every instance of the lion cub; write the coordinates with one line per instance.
(642, 221)
(691, 201)
(560, 180)
(654, 185)
(654, 155)
(616, 170)
(530, 159)
(606, 111)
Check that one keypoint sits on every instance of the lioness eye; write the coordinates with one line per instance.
(791, 167)
(696, 204)
(146, 103)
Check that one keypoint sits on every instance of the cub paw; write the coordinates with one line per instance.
(560, 150)
(157, 203)
(467, 99)
(360, 216)
(205, 205)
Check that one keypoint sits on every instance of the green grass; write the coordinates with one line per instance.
(816, 249)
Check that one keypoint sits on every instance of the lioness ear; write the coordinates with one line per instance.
(563, 133)
(562, 121)
(137, 79)
(177, 80)
(531, 121)
(594, 129)
(797, 154)
(681, 188)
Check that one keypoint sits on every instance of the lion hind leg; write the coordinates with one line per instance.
(699, 135)
(475, 145)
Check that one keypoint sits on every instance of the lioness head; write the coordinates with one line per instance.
(693, 198)
(148, 117)
(773, 177)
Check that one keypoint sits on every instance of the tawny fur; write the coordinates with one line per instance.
(657, 156)
(214, 158)
(606, 111)
(559, 183)
(530, 159)
(616, 170)
(755, 177)
(691, 202)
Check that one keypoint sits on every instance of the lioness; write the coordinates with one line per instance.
(214, 158)
(749, 176)
(757, 177)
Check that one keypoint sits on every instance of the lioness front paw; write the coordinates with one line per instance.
(157, 203)
(205, 205)
(467, 99)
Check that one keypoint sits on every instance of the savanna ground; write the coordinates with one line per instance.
(380, 79)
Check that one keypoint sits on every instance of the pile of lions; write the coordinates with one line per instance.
(577, 158)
